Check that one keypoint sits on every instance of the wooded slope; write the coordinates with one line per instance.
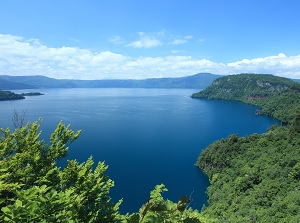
(255, 178)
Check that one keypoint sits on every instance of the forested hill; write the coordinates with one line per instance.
(255, 178)
(277, 96)
(7, 95)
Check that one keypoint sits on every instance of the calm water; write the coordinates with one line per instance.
(146, 136)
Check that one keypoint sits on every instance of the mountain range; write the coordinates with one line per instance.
(197, 81)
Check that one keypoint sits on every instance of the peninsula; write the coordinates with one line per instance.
(276, 96)
(8, 95)
(255, 178)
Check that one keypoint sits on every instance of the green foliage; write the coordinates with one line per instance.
(34, 189)
(242, 86)
(41, 204)
(158, 210)
(277, 96)
(295, 123)
(259, 179)
(256, 178)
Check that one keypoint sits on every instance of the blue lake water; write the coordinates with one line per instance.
(146, 136)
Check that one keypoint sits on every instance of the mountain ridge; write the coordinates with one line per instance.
(197, 81)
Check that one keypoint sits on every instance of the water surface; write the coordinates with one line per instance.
(146, 136)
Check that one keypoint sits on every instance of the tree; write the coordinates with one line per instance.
(18, 118)
(34, 189)
(295, 124)
(164, 211)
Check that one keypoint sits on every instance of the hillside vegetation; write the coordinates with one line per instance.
(255, 178)
(276, 96)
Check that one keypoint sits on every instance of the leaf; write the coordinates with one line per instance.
(170, 205)
(134, 218)
(6, 210)
(18, 203)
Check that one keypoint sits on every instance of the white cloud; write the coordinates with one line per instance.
(181, 40)
(19, 56)
(117, 40)
(153, 39)
(178, 41)
(278, 65)
(178, 51)
(145, 40)
(188, 37)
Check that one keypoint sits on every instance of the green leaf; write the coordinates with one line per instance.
(18, 203)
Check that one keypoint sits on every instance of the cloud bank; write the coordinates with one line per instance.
(20, 56)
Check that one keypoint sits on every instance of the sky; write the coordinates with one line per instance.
(138, 39)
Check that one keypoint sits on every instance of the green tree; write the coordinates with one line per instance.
(34, 189)
(158, 210)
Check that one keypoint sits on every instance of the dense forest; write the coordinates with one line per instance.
(255, 178)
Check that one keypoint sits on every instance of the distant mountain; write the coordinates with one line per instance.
(9, 85)
(297, 80)
(32, 82)
(197, 81)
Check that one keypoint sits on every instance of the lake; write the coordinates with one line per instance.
(146, 136)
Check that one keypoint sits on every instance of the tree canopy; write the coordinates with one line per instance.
(254, 178)
(34, 189)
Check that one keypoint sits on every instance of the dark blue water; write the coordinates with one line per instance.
(146, 136)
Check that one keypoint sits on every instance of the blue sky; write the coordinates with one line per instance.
(136, 39)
